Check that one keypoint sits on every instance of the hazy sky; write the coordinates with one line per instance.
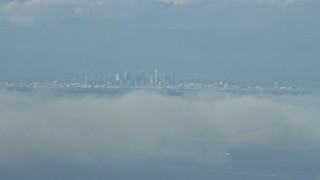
(241, 40)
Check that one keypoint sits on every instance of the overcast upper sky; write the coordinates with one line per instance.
(240, 40)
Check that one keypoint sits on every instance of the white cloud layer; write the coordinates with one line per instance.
(141, 125)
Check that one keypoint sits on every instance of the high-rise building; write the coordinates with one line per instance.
(156, 76)
(171, 78)
(86, 80)
(125, 76)
(162, 79)
(151, 79)
(117, 77)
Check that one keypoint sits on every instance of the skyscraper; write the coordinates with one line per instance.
(156, 77)
(125, 76)
(86, 80)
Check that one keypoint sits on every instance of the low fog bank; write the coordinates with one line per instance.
(143, 125)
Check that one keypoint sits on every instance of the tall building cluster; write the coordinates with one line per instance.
(141, 78)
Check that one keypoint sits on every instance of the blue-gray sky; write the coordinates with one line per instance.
(239, 40)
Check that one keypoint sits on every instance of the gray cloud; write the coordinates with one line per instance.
(141, 125)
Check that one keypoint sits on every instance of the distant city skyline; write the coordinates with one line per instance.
(124, 82)
(153, 77)
(160, 89)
